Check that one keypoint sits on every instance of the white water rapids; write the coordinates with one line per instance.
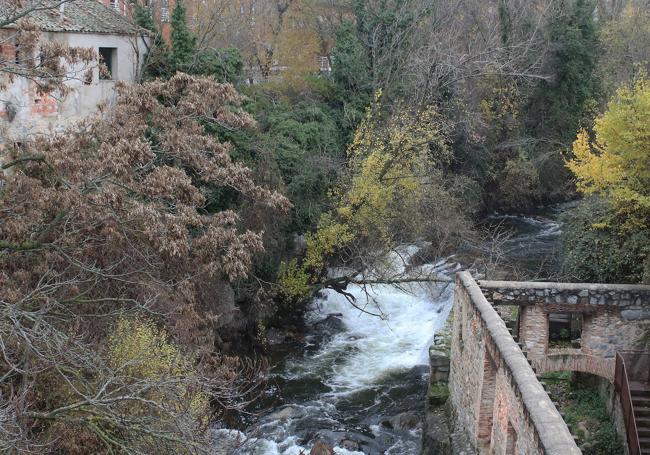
(356, 371)
(364, 351)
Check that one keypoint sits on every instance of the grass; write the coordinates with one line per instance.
(585, 414)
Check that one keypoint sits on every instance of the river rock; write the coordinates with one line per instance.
(438, 355)
(436, 438)
(403, 421)
(363, 443)
(331, 325)
(299, 244)
(437, 394)
(275, 337)
(289, 412)
(350, 445)
(582, 429)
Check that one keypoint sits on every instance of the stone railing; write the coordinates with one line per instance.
(494, 392)
(634, 297)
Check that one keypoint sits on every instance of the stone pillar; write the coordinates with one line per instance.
(533, 330)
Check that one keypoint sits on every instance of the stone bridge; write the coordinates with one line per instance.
(495, 393)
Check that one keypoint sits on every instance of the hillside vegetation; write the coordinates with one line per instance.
(144, 255)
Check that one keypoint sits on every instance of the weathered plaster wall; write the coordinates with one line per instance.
(35, 114)
(488, 370)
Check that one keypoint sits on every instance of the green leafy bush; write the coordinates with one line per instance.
(597, 251)
(519, 185)
(588, 407)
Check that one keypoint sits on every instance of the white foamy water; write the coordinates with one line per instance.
(233, 442)
(371, 347)
(357, 370)
(359, 356)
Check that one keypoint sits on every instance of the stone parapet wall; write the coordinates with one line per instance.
(493, 389)
(634, 298)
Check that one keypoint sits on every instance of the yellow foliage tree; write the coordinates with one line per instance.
(143, 352)
(392, 164)
(624, 44)
(616, 165)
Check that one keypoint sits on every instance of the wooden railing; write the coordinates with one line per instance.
(622, 384)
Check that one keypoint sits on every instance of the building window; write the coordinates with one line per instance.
(564, 330)
(114, 4)
(324, 64)
(108, 63)
(164, 11)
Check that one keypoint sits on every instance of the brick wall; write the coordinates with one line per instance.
(486, 404)
(487, 365)
(574, 360)
(534, 330)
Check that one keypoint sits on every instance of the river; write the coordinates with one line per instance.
(358, 382)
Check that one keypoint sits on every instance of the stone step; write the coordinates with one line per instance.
(642, 421)
(641, 412)
(639, 389)
(641, 401)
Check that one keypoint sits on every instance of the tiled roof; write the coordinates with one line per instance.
(78, 16)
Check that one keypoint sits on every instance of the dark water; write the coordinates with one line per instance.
(358, 382)
(530, 244)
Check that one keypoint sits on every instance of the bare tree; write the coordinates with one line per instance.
(462, 41)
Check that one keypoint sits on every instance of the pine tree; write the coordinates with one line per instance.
(565, 102)
(158, 60)
(143, 17)
(567, 99)
(183, 40)
(351, 68)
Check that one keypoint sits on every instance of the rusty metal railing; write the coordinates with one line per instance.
(622, 384)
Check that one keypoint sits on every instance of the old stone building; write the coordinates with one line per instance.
(495, 389)
(26, 111)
